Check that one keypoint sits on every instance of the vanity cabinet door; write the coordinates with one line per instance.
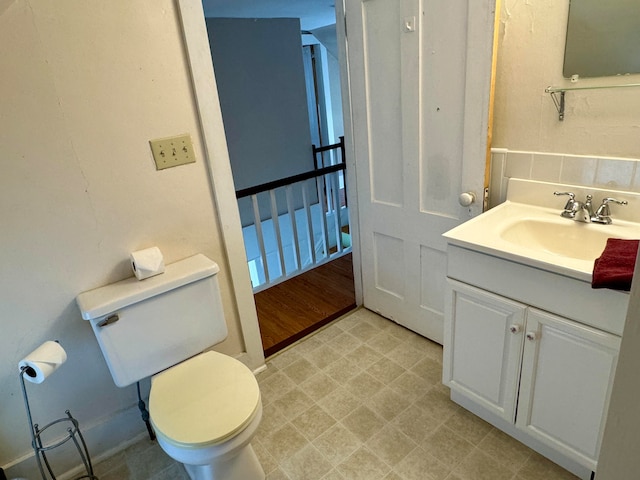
(567, 374)
(482, 348)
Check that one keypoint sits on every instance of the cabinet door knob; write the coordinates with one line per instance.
(515, 328)
(532, 336)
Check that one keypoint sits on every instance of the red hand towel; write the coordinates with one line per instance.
(614, 268)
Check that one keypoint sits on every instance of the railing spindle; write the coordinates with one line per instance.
(276, 226)
(323, 224)
(294, 226)
(333, 177)
(258, 225)
(307, 210)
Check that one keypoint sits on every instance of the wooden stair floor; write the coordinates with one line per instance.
(294, 308)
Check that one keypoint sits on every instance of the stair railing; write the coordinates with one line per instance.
(300, 222)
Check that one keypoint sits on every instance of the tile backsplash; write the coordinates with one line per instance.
(621, 174)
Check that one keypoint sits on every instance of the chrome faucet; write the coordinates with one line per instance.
(583, 212)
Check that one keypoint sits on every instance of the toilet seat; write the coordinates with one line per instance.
(203, 401)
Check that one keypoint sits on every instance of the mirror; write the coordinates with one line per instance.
(603, 38)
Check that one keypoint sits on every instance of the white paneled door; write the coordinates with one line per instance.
(420, 76)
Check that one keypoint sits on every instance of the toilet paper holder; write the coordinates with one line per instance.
(41, 448)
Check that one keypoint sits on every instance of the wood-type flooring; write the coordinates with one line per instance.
(292, 309)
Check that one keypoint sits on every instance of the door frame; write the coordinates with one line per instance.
(350, 152)
(200, 64)
(216, 153)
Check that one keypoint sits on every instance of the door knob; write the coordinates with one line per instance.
(467, 198)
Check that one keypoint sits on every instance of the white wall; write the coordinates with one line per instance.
(85, 84)
(530, 58)
(260, 77)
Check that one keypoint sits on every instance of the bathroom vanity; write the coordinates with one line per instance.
(528, 345)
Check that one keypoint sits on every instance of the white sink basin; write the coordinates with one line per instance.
(540, 237)
(565, 239)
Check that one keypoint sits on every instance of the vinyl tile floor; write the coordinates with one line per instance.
(361, 399)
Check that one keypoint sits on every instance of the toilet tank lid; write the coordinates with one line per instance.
(104, 300)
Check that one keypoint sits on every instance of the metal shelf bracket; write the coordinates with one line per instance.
(559, 102)
(557, 93)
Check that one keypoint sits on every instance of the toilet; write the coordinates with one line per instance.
(205, 407)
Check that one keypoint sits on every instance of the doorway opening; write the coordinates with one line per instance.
(279, 88)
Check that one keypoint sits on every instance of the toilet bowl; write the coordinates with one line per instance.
(205, 411)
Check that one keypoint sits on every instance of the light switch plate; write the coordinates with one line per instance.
(172, 151)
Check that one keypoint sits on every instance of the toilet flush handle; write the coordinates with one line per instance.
(109, 320)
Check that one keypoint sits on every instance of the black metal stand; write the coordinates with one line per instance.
(41, 448)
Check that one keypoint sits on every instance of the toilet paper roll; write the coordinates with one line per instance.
(43, 361)
(147, 263)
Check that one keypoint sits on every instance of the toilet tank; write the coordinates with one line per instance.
(146, 326)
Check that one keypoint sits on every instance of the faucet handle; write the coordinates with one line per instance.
(570, 205)
(572, 198)
(603, 213)
(608, 200)
(571, 194)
